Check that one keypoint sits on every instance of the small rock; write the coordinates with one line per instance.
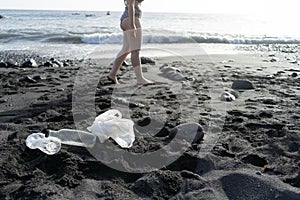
(146, 60)
(271, 76)
(226, 96)
(38, 77)
(66, 64)
(166, 69)
(3, 100)
(27, 79)
(1, 17)
(56, 63)
(48, 64)
(294, 74)
(123, 68)
(29, 63)
(12, 63)
(190, 78)
(274, 59)
(255, 160)
(265, 114)
(125, 64)
(120, 101)
(242, 85)
(64, 76)
(258, 173)
(188, 130)
(269, 101)
(294, 62)
(3, 65)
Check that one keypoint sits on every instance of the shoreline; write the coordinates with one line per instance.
(258, 133)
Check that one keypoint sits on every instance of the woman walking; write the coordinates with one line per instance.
(132, 41)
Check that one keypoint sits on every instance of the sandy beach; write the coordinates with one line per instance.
(250, 148)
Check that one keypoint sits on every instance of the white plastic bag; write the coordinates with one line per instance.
(111, 125)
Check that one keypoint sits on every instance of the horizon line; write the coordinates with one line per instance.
(75, 10)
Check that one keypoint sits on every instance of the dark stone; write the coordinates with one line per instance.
(1, 17)
(27, 79)
(3, 65)
(269, 101)
(3, 100)
(294, 74)
(188, 130)
(64, 76)
(11, 63)
(274, 59)
(66, 64)
(265, 114)
(255, 160)
(144, 122)
(38, 77)
(242, 85)
(48, 64)
(125, 64)
(146, 60)
(58, 63)
(30, 63)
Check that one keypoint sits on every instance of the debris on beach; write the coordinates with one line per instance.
(107, 125)
(226, 96)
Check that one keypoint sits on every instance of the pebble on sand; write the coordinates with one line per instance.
(242, 85)
(27, 79)
(226, 96)
(3, 65)
(30, 63)
(172, 73)
(146, 60)
(188, 130)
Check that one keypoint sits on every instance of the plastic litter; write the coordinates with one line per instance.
(111, 125)
(74, 137)
(107, 125)
(48, 145)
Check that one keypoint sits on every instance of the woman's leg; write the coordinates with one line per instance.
(119, 59)
(135, 46)
(131, 45)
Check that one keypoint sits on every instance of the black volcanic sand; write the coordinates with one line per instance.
(255, 157)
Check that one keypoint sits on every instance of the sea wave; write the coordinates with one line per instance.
(148, 37)
(185, 38)
(73, 39)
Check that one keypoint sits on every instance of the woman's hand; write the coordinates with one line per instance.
(131, 12)
(133, 30)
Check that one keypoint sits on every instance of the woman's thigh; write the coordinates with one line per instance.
(134, 43)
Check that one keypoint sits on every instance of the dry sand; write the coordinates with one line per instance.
(250, 149)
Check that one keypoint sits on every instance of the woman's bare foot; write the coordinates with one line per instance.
(113, 79)
(143, 81)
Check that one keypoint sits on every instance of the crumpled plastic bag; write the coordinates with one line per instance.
(111, 125)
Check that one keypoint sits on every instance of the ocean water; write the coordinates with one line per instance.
(78, 33)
